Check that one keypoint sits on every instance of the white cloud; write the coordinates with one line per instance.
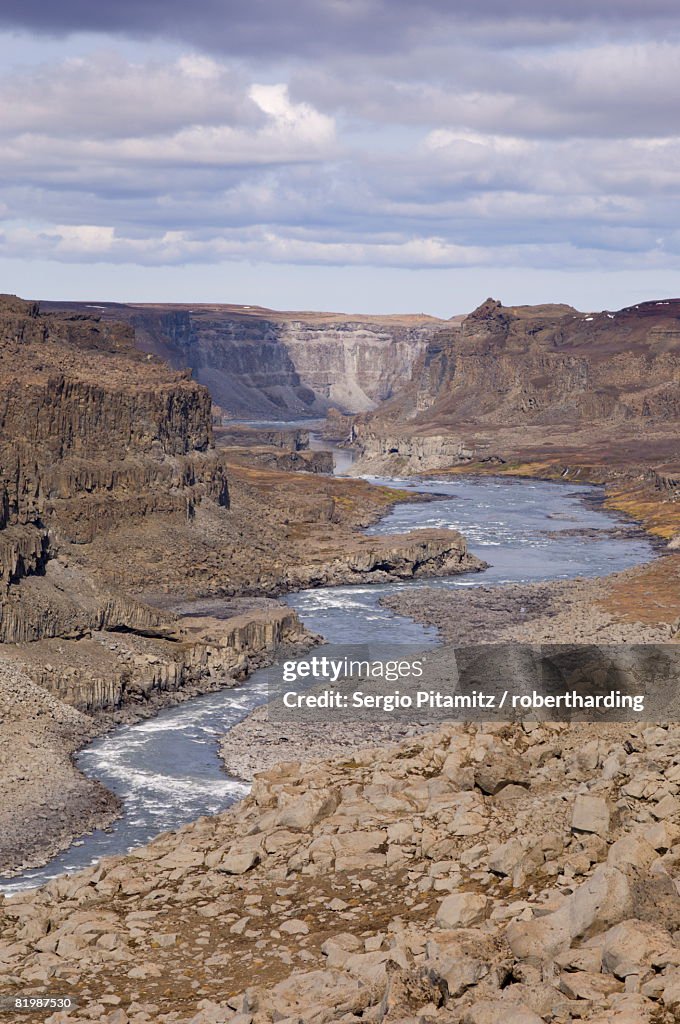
(84, 239)
(298, 120)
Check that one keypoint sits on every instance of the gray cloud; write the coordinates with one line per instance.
(451, 146)
(600, 89)
(307, 27)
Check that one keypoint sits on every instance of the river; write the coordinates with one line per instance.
(167, 770)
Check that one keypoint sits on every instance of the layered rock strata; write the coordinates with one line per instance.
(509, 381)
(110, 670)
(280, 365)
(54, 697)
(94, 435)
(378, 559)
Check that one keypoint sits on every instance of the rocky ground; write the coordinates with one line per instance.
(550, 612)
(473, 875)
(257, 744)
(575, 611)
(284, 531)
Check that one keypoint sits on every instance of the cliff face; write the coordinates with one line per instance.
(114, 505)
(93, 434)
(260, 363)
(356, 364)
(542, 372)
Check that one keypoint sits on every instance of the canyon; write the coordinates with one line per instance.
(538, 382)
(266, 364)
(473, 873)
(117, 508)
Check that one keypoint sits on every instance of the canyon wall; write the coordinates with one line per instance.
(511, 380)
(93, 435)
(260, 363)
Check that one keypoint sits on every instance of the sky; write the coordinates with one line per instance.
(359, 155)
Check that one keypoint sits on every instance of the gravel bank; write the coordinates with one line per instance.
(566, 611)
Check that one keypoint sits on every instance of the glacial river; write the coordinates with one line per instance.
(167, 771)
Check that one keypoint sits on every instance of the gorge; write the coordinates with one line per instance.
(145, 549)
(116, 507)
(266, 364)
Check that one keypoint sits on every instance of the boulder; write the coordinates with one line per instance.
(584, 985)
(237, 862)
(603, 900)
(633, 944)
(502, 771)
(633, 851)
(506, 857)
(461, 909)
(590, 814)
(307, 809)
(294, 927)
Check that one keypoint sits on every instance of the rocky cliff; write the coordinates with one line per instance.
(510, 380)
(261, 363)
(93, 434)
(115, 506)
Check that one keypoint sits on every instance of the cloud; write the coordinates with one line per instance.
(309, 27)
(460, 141)
(597, 89)
(103, 96)
(82, 124)
(94, 243)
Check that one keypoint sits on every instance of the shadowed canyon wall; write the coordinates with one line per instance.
(259, 363)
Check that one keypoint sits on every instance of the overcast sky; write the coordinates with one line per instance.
(364, 155)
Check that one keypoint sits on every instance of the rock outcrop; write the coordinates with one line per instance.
(54, 697)
(133, 667)
(534, 380)
(113, 496)
(379, 559)
(262, 363)
(93, 435)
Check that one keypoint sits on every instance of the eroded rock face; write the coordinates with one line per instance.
(507, 378)
(274, 365)
(378, 559)
(57, 695)
(93, 434)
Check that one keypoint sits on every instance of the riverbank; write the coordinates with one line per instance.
(258, 745)
(174, 649)
(645, 601)
(554, 611)
(47, 802)
(323, 895)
